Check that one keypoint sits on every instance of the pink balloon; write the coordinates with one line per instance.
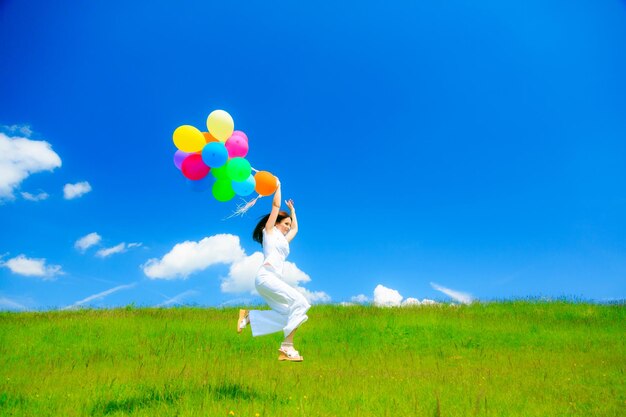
(179, 157)
(237, 146)
(240, 133)
(193, 167)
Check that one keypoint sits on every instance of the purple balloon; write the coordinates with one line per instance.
(179, 157)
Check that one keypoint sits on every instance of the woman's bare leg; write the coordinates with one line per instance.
(289, 338)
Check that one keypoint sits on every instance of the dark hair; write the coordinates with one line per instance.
(257, 234)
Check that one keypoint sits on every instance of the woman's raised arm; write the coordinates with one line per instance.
(271, 221)
(294, 221)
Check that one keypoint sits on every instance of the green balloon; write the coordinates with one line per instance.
(223, 190)
(238, 169)
(220, 173)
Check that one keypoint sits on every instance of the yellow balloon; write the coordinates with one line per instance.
(189, 139)
(220, 124)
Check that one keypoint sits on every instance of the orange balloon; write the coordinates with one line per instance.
(209, 137)
(266, 183)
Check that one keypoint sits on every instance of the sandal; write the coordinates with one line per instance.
(290, 355)
(243, 320)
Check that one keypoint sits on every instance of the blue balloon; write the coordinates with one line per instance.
(244, 188)
(200, 185)
(214, 154)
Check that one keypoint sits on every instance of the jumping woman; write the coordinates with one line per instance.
(288, 307)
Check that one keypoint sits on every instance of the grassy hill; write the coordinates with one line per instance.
(495, 359)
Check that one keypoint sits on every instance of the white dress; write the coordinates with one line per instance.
(288, 305)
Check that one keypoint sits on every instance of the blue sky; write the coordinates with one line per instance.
(446, 151)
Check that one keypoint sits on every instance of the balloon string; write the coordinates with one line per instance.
(246, 205)
(243, 208)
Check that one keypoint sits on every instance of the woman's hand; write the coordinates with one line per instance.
(294, 221)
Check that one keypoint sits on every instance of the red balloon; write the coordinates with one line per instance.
(193, 167)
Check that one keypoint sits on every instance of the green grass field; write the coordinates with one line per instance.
(494, 359)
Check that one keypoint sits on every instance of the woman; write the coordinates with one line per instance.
(288, 306)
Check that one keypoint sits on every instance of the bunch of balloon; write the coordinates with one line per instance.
(221, 152)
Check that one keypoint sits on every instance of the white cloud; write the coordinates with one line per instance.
(21, 157)
(100, 295)
(386, 297)
(103, 253)
(122, 247)
(8, 304)
(188, 257)
(243, 271)
(71, 191)
(314, 297)
(94, 238)
(17, 129)
(411, 302)
(360, 299)
(22, 265)
(294, 276)
(177, 298)
(459, 296)
(35, 197)
(87, 241)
